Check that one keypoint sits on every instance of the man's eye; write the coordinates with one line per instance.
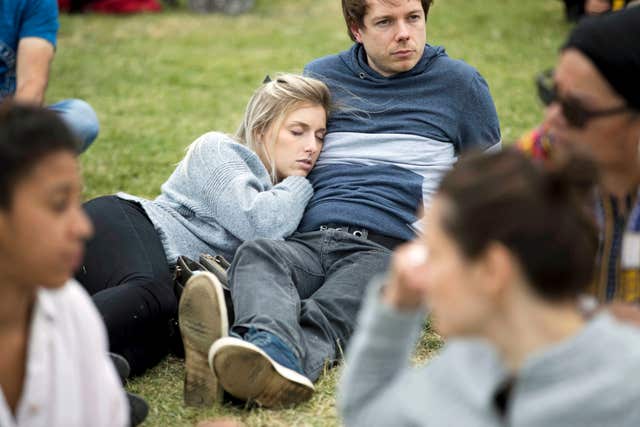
(382, 22)
(414, 17)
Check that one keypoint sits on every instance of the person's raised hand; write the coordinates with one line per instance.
(404, 286)
(626, 312)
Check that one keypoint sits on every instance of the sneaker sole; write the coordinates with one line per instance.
(248, 373)
(203, 319)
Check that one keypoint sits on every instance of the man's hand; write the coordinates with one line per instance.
(32, 69)
(404, 289)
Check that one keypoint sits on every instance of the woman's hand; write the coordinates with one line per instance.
(625, 312)
(404, 287)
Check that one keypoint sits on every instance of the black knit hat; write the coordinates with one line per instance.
(612, 43)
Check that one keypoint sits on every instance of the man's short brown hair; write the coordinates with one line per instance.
(354, 11)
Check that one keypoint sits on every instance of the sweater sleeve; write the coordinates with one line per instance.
(223, 181)
(377, 359)
(479, 127)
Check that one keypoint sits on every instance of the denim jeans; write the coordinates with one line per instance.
(306, 290)
(80, 117)
(125, 271)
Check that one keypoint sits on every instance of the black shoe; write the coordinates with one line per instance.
(122, 366)
(217, 265)
(138, 409)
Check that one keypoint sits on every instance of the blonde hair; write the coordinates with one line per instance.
(269, 106)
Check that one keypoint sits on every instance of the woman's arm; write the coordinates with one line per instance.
(224, 181)
(371, 387)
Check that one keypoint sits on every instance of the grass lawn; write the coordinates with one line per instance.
(158, 81)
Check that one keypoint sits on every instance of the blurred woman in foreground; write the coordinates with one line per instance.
(508, 248)
(54, 368)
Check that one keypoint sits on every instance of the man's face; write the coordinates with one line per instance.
(393, 35)
(612, 140)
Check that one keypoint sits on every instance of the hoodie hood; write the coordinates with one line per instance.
(356, 61)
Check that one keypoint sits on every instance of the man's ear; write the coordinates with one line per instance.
(355, 30)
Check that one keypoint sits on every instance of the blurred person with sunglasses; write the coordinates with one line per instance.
(575, 9)
(593, 100)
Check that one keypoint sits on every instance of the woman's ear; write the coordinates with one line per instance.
(499, 269)
(258, 137)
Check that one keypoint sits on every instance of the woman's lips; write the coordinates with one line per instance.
(305, 164)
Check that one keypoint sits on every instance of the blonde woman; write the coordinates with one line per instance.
(227, 189)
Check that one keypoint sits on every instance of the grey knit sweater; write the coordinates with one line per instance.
(589, 380)
(220, 195)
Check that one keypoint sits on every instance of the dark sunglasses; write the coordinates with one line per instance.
(577, 116)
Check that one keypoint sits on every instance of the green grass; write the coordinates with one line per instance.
(158, 81)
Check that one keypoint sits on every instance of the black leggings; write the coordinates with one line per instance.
(126, 272)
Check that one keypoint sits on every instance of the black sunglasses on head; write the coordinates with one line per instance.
(576, 115)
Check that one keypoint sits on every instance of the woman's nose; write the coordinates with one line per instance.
(312, 146)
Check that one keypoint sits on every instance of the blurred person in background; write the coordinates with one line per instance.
(28, 36)
(575, 9)
(593, 99)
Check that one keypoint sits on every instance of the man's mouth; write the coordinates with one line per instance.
(403, 53)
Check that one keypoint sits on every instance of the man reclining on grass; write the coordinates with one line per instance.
(410, 110)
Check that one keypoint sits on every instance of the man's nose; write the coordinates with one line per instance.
(553, 115)
(403, 31)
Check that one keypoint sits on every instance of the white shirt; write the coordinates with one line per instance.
(70, 380)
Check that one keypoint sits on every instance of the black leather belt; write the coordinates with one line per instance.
(386, 241)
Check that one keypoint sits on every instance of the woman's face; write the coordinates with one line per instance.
(42, 233)
(453, 286)
(613, 139)
(298, 141)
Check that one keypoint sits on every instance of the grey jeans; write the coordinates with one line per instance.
(306, 290)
